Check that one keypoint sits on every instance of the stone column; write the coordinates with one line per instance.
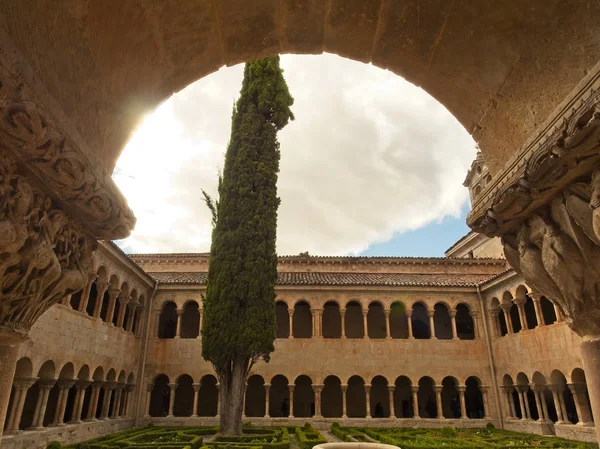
(522, 390)
(196, 388)
(93, 404)
(368, 400)
(557, 390)
(508, 407)
(522, 316)
(415, 393)
(178, 330)
(117, 402)
(581, 404)
(21, 388)
(149, 389)
(343, 322)
(85, 294)
(318, 389)
(559, 315)
(453, 321)
(409, 322)
(387, 324)
(109, 388)
(315, 329)
(101, 287)
(201, 312)
(506, 311)
(130, 389)
(538, 403)
(156, 315)
(81, 387)
(131, 315)
(391, 389)
(40, 408)
(267, 411)
(344, 390)
(538, 310)
(475, 318)
(430, 314)
(463, 405)
(61, 404)
(495, 327)
(438, 400)
(486, 405)
(113, 294)
(291, 316)
(123, 304)
(365, 324)
(291, 389)
(173, 388)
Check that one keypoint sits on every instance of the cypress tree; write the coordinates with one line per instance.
(239, 320)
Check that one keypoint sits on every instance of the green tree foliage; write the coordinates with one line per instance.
(239, 308)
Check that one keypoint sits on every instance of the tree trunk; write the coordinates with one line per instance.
(231, 394)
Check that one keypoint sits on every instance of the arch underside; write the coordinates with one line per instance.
(500, 68)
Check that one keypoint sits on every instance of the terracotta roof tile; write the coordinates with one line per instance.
(343, 279)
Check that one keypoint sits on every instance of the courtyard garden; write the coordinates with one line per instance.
(253, 437)
(452, 438)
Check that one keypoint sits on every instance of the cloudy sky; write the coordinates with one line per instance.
(372, 164)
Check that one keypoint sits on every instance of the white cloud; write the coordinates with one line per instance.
(369, 155)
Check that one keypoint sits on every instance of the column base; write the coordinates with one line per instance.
(170, 416)
(585, 424)
(344, 416)
(13, 432)
(76, 421)
(194, 416)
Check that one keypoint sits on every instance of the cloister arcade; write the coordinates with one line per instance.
(352, 320)
(302, 398)
(50, 397)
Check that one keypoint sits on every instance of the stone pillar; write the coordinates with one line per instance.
(387, 324)
(9, 349)
(131, 315)
(196, 388)
(291, 316)
(506, 311)
(61, 404)
(538, 311)
(538, 403)
(123, 304)
(409, 322)
(475, 318)
(85, 294)
(149, 389)
(315, 329)
(173, 388)
(391, 389)
(365, 323)
(201, 312)
(267, 411)
(438, 400)
(343, 321)
(21, 388)
(415, 393)
(509, 411)
(486, 404)
(178, 330)
(113, 294)
(558, 312)
(291, 389)
(463, 405)
(109, 388)
(130, 389)
(93, 404)
(117, 402)
(318, 389)
(453, 321)
(40, 407)
(368, 400)
(319, 322)
(581, 404)
(522, 316)
(101, 287)
(495, 327)
(81, 387)
(344, 390)
(522, 390)
(156, 315)
(556, 391)
(430, 314)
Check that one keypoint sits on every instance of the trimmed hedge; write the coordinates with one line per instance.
(308, 437)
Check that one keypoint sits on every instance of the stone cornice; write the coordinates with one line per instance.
(562, 152)
(35, 131)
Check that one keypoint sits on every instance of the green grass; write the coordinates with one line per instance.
(156, 437)
(451, 438)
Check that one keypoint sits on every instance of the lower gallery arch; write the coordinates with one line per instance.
(160, 396)
(474, 398)
(354, 323)
(398, 320)
(208, 396)
(332, 320)
(304, 397)
(465, 328)
(420, 321)
(403, 398)
(279, 397)
(379, 398)
(255, 397)
(302, 321)
(283, 320)
(355, 398)
(450, 398)
(184, 396)
(376, 327)
(427, 399)
(331, 398)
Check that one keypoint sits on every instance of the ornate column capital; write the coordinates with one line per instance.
(114, 293)
(291, 312)
(149, 388)
(24, 383)
(438, 388)
(129, 387)
(391, 388)
(452, 313)
(46, 384)
(430, 313)
(196, 387)
(414, 388)
(82, 384)
(173, 386)
(318, 387)
(65, 384)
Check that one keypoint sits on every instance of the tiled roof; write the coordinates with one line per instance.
(343, 279)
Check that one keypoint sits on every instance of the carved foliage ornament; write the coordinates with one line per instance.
(32, 138)
(44, 254)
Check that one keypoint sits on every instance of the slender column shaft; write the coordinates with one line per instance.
(149, 389)
(173, 388)
(23, 386)
(45, 387)
(544, 405)
(559, 315)
(178, 330)
(130, 316)
(291, 316)
(365, 324)
(85, 294)
(538, 312)
(495, 323)
(13, 409)
(9, 350)
(581, 404)
(524, 414)
(438, 399)
(343, 322)
(368, 400)
(476, 331)
(117, 402)
(486, 404)
(522, 316)
(507, 320)
(123, 304)
(291, 389)
(201, 318)
(315, 332)
(101, 288)
(538, 404)
(415, 393)
(195, 408)
(93, 404)
(391, 390)
(563, 406)
(409, 322)
(113, 294)
(244, 400)
(463, 405)
(78, 408)
(453, 321)
(513, 410)
(156, 324)
(108, 392)
(558, 408)
(430, 314)
(344, 390)
(387, 324)
(267, 411)
(318, 389)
